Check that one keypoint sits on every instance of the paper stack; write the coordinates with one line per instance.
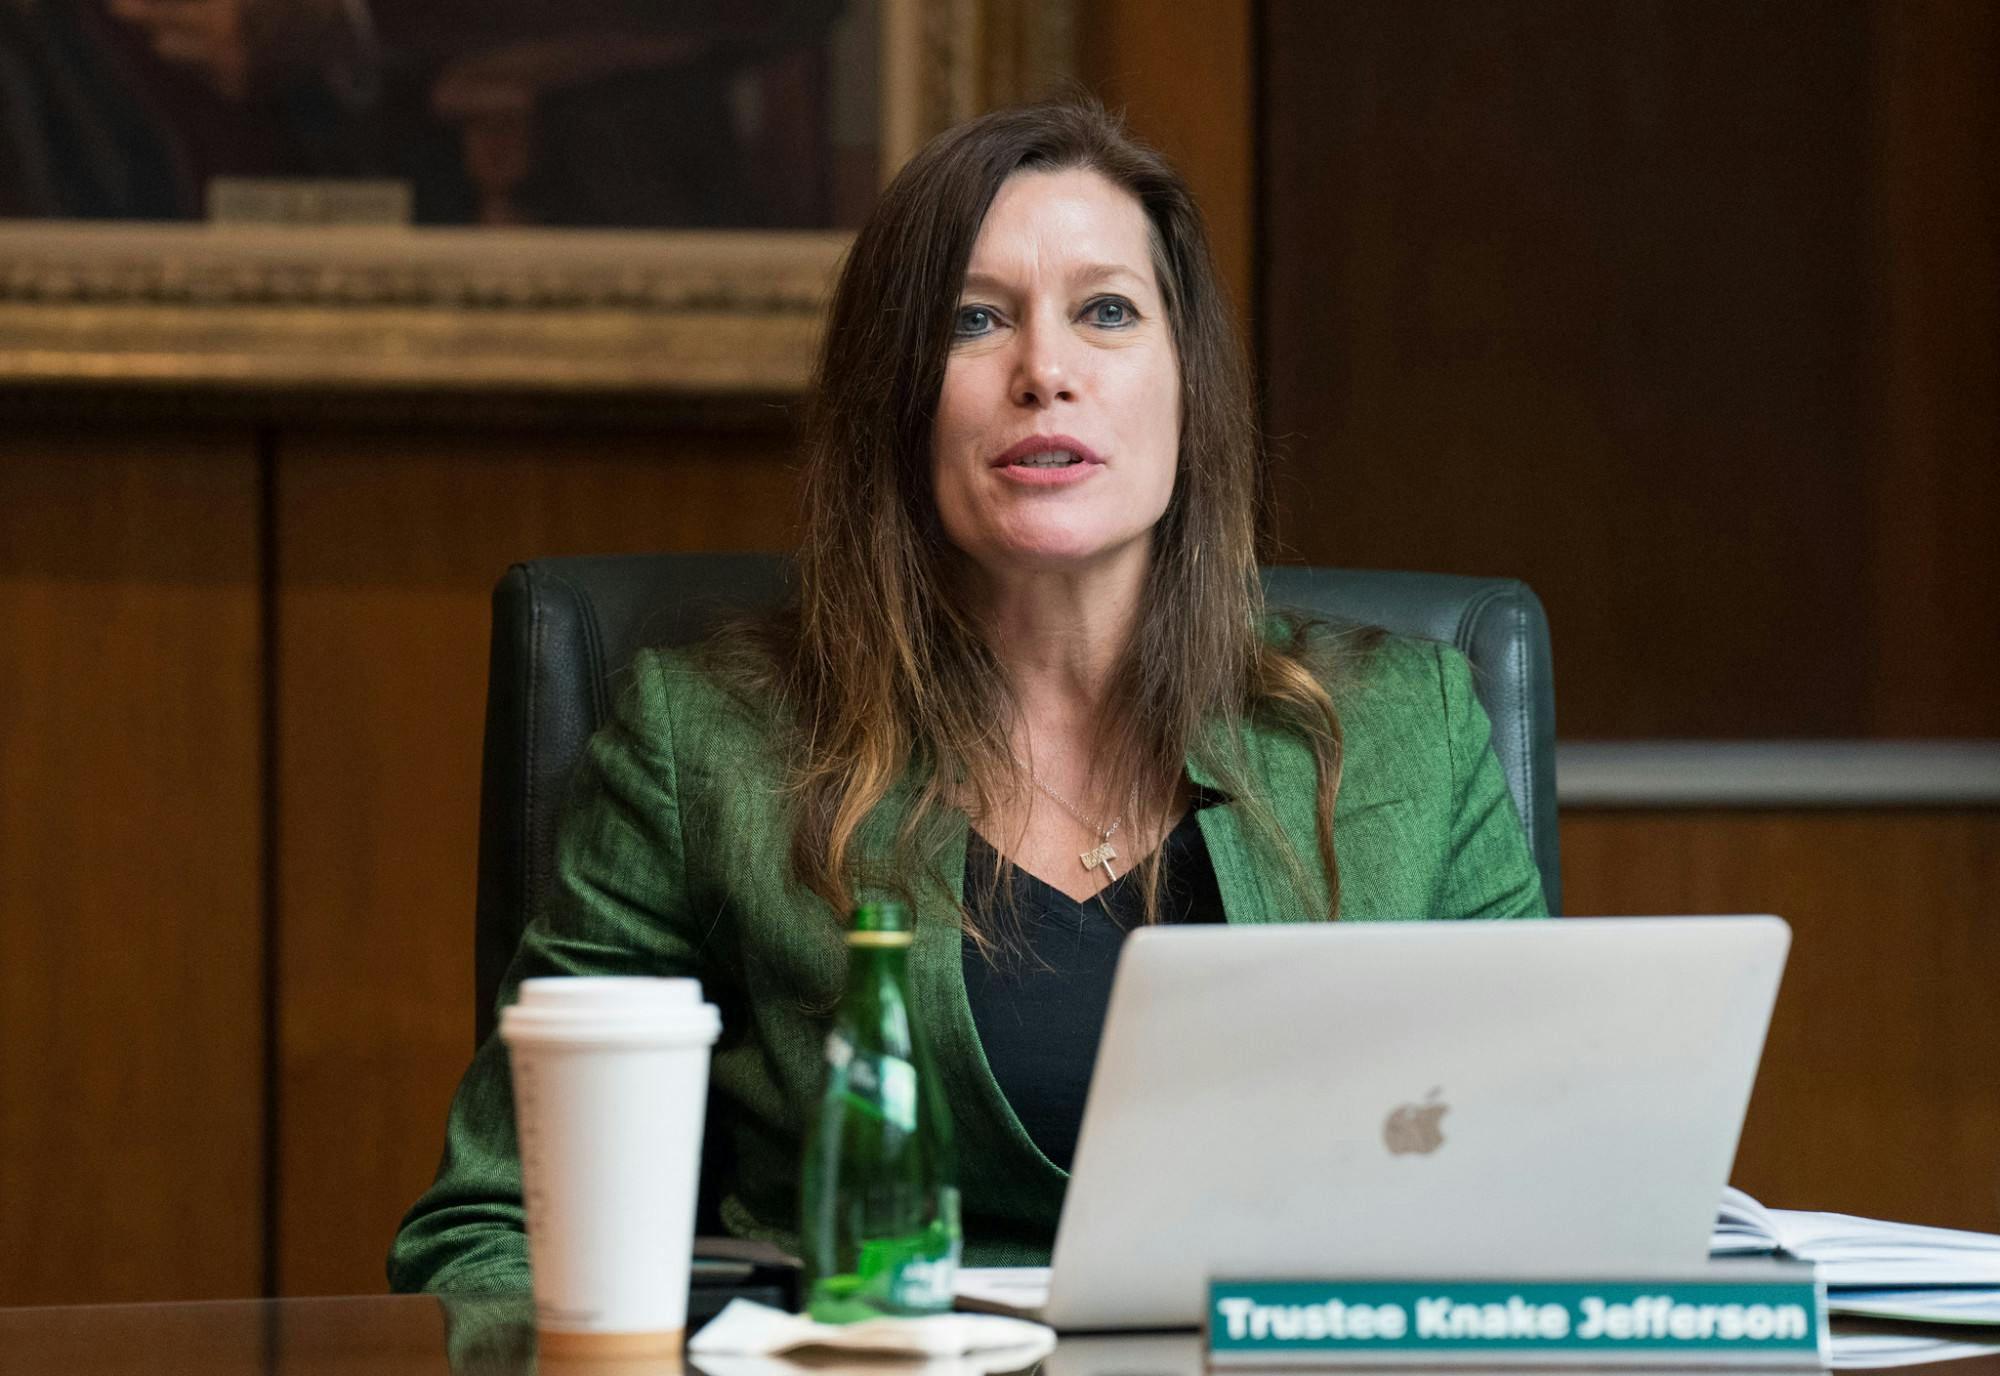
(1873, 1269)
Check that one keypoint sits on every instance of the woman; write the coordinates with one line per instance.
(1028, 684)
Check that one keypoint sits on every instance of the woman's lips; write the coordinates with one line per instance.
(1009, 464)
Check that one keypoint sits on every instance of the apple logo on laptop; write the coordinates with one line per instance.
(1413, 1128)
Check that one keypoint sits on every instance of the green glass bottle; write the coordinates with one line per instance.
(880, 1230)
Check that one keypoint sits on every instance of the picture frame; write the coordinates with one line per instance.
(206, 316)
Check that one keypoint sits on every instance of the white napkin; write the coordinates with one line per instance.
(987, 1342)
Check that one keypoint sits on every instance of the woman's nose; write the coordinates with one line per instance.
(1043, 374)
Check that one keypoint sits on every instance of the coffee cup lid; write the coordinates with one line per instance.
(606, 1008)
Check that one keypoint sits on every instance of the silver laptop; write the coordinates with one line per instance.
(1383, 1099)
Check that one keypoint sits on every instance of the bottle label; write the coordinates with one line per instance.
(926, 1284)
(899, 1093)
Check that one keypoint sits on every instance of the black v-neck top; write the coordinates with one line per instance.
(1040, 1009)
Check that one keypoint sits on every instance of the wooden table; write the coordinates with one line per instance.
(416, 1335)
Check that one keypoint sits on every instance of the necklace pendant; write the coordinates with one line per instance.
(1103, 855)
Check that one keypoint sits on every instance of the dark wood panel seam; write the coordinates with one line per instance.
(1258, 342)
(271, 1143)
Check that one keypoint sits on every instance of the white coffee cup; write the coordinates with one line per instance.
(610, 1083)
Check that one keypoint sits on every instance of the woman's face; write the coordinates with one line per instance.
(1058, 429)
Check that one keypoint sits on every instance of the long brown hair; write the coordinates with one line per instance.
(882, 666)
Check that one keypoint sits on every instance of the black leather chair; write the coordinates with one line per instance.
(564, 629)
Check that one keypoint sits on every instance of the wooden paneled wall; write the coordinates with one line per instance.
(132, 1066)
(1934, 417)
(1879, 1093)
(1184, 77)
(1688, 314)
(240, 721)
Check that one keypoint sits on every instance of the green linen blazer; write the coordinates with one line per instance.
(671, 861)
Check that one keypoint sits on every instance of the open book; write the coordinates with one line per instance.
(1859, 1253)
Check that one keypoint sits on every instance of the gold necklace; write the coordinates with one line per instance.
(1103, 853)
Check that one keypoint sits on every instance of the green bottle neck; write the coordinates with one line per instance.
(876, 1005)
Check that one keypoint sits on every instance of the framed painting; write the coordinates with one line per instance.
(596, 199)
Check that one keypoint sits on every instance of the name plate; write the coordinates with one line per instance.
(1753, 1314)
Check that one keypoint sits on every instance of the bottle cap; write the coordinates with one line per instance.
(880, 924)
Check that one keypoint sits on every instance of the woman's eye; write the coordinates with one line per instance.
(973, 320)
(1111, 311)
